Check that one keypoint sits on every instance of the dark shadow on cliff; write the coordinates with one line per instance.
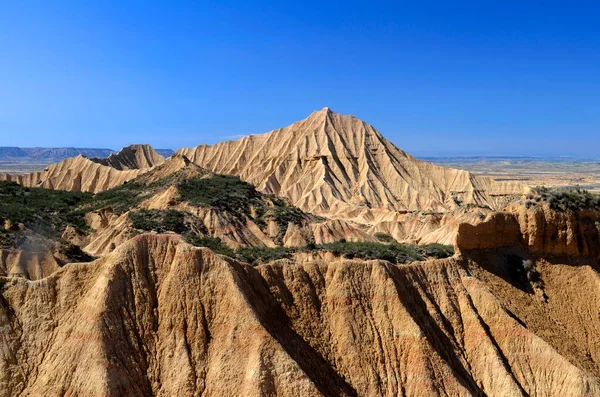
(277, 323)
(439, 340)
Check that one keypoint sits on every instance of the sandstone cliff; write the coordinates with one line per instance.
(539, 230)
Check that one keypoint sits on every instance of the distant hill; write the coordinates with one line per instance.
(165, 152)
(12, 153)
(59, 154)
(38, 153)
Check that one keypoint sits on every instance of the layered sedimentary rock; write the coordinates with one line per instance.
(132, 157)
(75, 174)
(159, 317)
(337, 165)
(539, 230)
(92, 175)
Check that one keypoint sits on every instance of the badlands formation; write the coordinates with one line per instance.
(92, 175)
(513, 313)
(329, 165)
(341, 167)
(158, 317)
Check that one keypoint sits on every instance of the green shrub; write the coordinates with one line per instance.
(395, 253)
(45, 211)
(564, 198)
(214, 243)
(158, 220)
(439, 251)
(219, 191)
(385, 238)
(285, 214)
(257, 255)
(121, 198)
(74, 253)
(143, 220)
(173, 220)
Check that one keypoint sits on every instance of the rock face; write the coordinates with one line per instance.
(539, 230)
(75, 174)
(132, 157)
(92, 175)
(159, 317)
(341, 167)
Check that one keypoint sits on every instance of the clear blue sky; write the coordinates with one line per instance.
(435, 77)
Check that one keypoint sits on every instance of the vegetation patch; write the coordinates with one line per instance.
(438, 251)
(75, 253)
(563, 199)
(214, 243)
(257, 255)
(121, 198)
(44, 211)
(158, 220)
(394, 253)
(384, 238)
(223, 192)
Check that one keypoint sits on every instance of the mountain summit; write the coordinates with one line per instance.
(339, 166)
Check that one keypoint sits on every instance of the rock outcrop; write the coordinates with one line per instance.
(159, 317)
(133, 157)
(540, 230)
(75, 174)
(92, 175)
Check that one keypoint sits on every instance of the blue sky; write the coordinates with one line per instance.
(435, 77)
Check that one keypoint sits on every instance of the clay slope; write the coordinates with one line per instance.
(256, 227)
(75, 174)
(340, 166)
(159, 317)
(92, 175)
(132, 157)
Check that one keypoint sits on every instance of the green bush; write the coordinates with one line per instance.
(45, 211)
(158, 220)
(395, 253)
(285, 214)
(257, 255)
(75, 253)
(214, 243)
(121, 198)
(385, 238)
(439, 251)
(219, 191)
(564, 198)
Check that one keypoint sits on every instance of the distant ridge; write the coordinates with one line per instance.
(54, 154)
(94, 175)
(58, 154)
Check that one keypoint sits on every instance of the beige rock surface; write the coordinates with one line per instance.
(133, 157)
(92, 175)
(159, 317)
(328, 164)
(341, 167)
(539, 230)
(76, 174)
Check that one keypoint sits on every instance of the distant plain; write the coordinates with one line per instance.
(531, 171)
